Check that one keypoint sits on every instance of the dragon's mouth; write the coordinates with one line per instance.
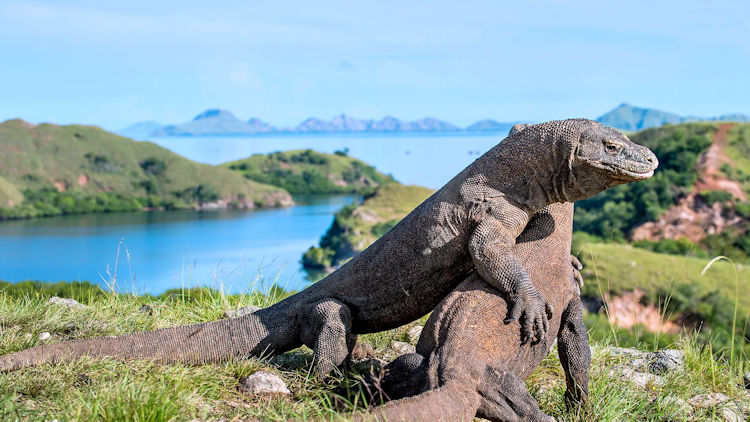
(623, 174)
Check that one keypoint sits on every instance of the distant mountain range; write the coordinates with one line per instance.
(223, 122)
(631, 118)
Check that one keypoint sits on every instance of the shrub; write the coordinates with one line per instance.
(680, 246)
(317, 258)
(714, 196)
(154, 166)
(380, 229)
(101, 163)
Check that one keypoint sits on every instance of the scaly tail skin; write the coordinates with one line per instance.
(454, 401)
(266, 332)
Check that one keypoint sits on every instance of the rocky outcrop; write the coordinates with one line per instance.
(627, 310)
(692, 217)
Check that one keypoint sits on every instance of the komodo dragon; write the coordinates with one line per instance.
(470, 224)
(469, 363)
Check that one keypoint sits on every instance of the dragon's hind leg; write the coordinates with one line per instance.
(327, 329)
(505, 398)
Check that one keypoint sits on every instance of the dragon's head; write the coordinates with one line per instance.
(604, 157)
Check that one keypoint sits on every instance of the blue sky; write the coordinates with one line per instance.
(112, 64)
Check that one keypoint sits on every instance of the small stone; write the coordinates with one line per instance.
(639, 379)
(626, 351)
(264, 382)
(70, 303)
(414, 332)
(403, 348)
(732, 413)
(44, 336)
(746, 380)
(362, 351)
(28, 336)
(665, 361)
(708, 400)
(146, 309)
(236, 313)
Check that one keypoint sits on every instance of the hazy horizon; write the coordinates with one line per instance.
(113, 65)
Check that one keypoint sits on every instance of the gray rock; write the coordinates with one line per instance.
(746, 380)
(146, 309)
(414, 332)
(402, 348)
(708, 400)
(236, 313)
(729, 410)
(639, 379)
(732, 413)
(626, 352)
(665, 361)
(264, 382)
(657, 363)
(70, 303)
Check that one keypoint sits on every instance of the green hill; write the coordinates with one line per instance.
(50, 170)
(356, 226)
(308, 171)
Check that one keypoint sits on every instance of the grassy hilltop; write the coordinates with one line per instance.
(111, 390)
(308, 171)
(48, 169)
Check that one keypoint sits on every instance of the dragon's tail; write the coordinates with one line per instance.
(265, 332)
(454, 401)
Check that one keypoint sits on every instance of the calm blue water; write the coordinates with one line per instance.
(233, 250)
(161, 250)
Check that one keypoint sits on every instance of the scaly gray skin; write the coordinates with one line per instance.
(469, 363)
(469, 224)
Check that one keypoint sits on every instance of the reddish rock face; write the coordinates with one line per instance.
(692, 218)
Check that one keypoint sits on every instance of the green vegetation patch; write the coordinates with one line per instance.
(93, 171)
(676, 285)
(9, 194)
(311, 172)
(738, 150)
(356, 226)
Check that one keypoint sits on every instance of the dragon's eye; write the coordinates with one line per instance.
(612, 147)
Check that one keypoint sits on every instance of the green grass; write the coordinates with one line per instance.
(109, 390)
(9, 194)
(678, 286)
(311, 172)
(738, 150)
(88, 163)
